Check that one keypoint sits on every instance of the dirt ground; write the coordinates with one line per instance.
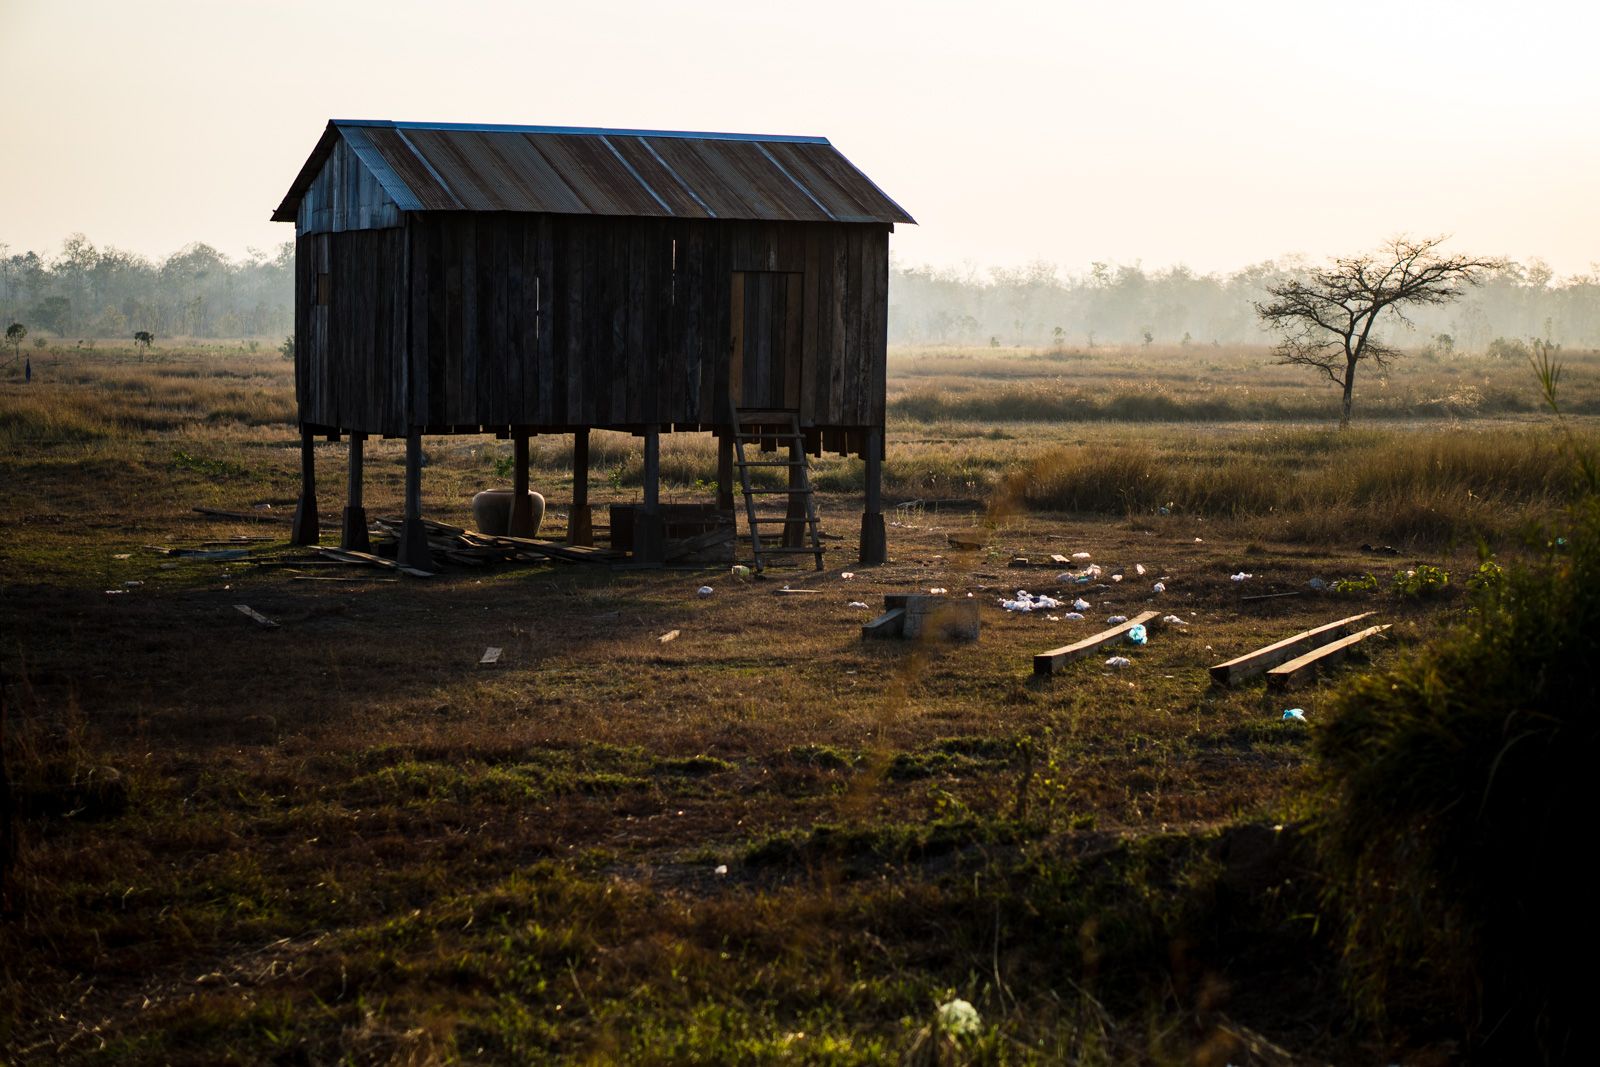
(359, 743)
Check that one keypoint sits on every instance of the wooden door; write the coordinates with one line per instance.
(764, 371)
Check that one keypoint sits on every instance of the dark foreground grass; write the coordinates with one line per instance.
(1455, 792)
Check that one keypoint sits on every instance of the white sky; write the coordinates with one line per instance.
(1207, 133)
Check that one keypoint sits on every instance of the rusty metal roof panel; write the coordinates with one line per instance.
(594, 171)
(847, 201)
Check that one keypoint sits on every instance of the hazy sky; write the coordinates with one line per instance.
(1212, 134)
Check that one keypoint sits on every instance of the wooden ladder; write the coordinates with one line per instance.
(799, 467)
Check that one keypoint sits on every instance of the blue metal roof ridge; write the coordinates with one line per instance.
(604, 131)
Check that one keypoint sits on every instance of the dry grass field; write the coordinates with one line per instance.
(341, 840)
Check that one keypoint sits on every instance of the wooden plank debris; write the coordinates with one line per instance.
(1301, 669)
(1261, 660)
(255, 616)
(246, 516)
(1050, 662)
(345, 555)
(340, 578)
(491, 657)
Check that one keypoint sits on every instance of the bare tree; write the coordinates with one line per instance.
(1327, 317)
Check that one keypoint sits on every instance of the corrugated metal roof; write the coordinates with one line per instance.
(436, 166)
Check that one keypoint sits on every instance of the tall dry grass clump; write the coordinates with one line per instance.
(1314, 485)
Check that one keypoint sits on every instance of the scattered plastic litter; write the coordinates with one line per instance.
(705, 590)
(1173, 620)
(1241, 576)
(740, 571)
(1199, 540)
(670, 635)
(1119, 662)
(1160, 587)
(1080, 605)
(1073, 616)
(1116, 620)
(936, 590)
(1163, 511)
(1294, 715)
(1080, 555)
(1136, 635)
(1138, 568)
(1318, 584)
(1116, 577)
(721, 868)
(1091, 571)
(1026, 602)
(848, 574)
(855, 604)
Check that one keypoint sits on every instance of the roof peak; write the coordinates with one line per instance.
(592, 131)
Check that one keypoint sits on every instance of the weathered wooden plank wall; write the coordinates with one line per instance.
(554, 322)
(345, 196)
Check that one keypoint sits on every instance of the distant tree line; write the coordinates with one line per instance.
(1125, 304)
(89, 292)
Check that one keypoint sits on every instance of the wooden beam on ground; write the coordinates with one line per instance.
(347, 556)
(889, 624)
(255, 616)
(1048, 663)
(244, 516)
(1296, 671)
(1261, 660)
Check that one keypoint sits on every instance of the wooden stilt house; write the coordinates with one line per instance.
(522, 280)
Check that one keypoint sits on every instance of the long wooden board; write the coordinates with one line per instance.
(1050, 662)
(1301, 669)
(1261, 660)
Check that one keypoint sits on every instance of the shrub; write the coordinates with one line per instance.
(1455, 808)
(1425, 581)
(1356, 583)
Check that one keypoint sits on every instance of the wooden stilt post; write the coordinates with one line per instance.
(874, 544)
(794, 526)
(725, 470)
(649, 537)
(304, 531)
(413, 550)
(580, 525)
(354, 536)
(521, 506)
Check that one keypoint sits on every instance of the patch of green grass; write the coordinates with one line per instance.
(207, 466)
